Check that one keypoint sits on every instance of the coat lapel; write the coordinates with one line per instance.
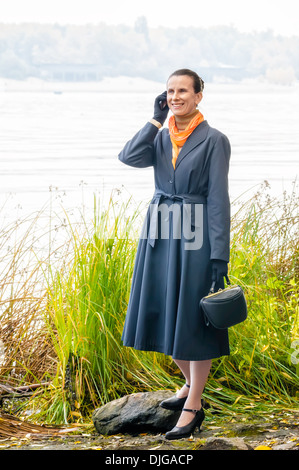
(198, 135)
(167, 148)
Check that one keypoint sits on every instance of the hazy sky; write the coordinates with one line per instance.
(281, 16)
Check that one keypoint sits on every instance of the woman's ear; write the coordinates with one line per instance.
(198, 98)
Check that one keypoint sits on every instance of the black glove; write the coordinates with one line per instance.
(160, 115)
(219, 270)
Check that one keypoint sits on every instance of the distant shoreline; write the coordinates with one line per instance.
(123, 83)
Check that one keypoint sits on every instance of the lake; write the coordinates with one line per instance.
(59, 141)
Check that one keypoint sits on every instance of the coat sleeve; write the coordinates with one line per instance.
(139, 152)
(218, 203)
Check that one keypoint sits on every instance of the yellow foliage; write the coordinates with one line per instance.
(262, 448)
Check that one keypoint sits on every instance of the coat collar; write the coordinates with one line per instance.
(198, 135)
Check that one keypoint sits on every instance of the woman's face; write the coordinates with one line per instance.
(181, 97)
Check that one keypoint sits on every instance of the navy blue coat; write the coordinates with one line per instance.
(171, 275)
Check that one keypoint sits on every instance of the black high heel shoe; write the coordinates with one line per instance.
(178, 432)
(174, 403)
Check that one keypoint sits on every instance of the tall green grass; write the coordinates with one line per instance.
(265, 261)
(72, 329)
(84, 316)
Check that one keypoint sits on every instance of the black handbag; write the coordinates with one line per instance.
(224, 308)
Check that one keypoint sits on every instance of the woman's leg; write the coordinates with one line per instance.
(199, 372)
(184, 366)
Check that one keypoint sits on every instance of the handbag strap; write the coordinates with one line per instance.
(212, 288)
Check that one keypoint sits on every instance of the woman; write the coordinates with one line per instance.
(171, 275)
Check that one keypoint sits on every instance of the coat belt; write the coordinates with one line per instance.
(156, 201)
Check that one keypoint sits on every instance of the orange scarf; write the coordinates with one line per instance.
(179, 138)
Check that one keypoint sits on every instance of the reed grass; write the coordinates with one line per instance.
(265, 261)
(62, 314)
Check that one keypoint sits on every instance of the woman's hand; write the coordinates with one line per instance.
(160, 108)
(219, 270)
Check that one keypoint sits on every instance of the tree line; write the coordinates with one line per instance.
(140, 51)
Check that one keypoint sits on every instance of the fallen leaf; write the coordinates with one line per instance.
(262, 448)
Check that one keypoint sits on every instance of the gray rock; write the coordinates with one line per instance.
(286, 446)
(225, 443)
(135, 413)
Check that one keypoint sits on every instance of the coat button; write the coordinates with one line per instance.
(170, 181)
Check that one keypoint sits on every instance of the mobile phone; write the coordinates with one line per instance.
(162, 104)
